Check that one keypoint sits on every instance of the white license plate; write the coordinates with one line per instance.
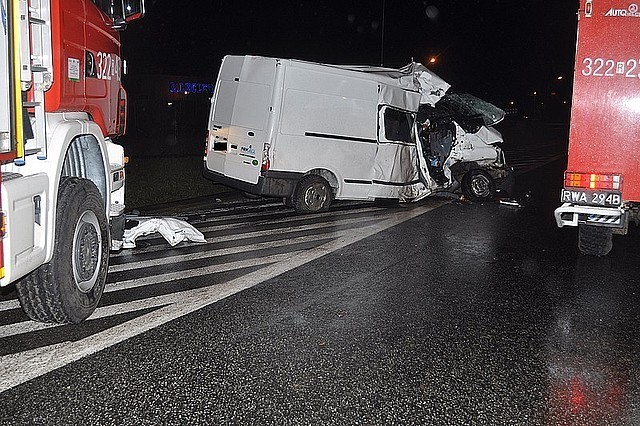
(592, 198)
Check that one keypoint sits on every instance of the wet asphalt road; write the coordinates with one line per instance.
(478, 314)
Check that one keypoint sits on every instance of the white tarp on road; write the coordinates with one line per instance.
(173, 230)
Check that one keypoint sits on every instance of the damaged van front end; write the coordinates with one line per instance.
(461, 147)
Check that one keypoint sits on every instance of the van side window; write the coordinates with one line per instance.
(397, 125)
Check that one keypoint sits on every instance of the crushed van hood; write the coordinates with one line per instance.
(432, 87)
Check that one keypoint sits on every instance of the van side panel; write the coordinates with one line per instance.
(316, 119)
(328, 121)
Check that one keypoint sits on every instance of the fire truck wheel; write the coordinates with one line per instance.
(313, 194)
(594, 240)
(478, 185)
(68, 288)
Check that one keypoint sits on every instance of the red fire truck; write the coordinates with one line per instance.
(601, 194)
(62, 193)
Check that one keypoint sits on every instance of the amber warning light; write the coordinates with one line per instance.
(592, 181)
(588, 8)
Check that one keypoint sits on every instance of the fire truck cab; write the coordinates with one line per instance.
(62, 193)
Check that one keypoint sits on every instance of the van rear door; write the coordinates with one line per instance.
(239, 117)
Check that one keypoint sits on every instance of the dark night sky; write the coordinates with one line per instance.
(496, 49)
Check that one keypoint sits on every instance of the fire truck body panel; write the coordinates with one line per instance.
(601, 193)
(87, 63)
(605, 135)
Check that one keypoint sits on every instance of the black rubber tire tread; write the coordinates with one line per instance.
(467, 181)
(594, 240)
(298, 195)
(49, 294)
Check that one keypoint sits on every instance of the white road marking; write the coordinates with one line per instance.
(20, 367)
(9, 304)
(207, 227)
(218, 252)
(324, 232)
(196, 272)
(231, 250)
(247, 235)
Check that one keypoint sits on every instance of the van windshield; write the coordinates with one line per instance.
(472, 110)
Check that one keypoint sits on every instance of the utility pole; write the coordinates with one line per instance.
(382, 36)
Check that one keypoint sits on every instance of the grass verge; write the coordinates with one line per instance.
(155, 180)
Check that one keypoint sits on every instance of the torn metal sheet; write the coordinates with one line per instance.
(413, 76)
(173, 230)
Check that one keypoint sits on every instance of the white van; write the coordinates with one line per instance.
(311, 133)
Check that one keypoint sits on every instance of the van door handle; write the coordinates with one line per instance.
(251, 134)
(234, 146)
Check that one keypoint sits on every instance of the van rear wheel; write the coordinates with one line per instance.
(594, 240)
(313, 194)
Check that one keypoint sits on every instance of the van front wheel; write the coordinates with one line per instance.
(313, 194)
(478, 185)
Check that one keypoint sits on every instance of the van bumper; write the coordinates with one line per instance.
(270, 183)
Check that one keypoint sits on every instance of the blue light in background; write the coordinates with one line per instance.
(190, 87)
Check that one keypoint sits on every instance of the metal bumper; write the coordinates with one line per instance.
(270, 183)
(572, 215)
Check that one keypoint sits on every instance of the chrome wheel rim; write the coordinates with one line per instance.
(87, 251)
(481, 186)
(315, 196)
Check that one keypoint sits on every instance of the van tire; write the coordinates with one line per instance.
(478, 185)
(594, 240)
(313, 194)
(68, 288)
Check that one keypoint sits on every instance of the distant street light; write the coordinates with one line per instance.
(433, 60)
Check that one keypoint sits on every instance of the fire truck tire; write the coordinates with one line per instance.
(478, 185)
(68, 288)
(312, 195)
(594, 240)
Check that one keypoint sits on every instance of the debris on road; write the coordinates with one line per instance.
(173, 230)
(510, 202)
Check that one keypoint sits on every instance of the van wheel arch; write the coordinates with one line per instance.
(329, 176)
